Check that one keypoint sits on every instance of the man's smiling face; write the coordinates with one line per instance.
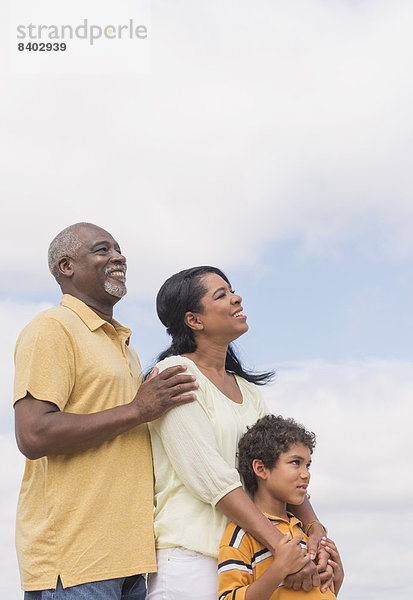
(99, 268)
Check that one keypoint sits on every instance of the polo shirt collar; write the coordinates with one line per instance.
(292, 519)
(90, 318)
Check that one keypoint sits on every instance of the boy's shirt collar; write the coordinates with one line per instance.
(292, 520)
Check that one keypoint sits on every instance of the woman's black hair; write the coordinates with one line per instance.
(182, 293)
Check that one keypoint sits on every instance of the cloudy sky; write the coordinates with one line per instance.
(272, 139)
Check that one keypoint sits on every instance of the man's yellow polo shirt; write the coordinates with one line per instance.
(84, 516)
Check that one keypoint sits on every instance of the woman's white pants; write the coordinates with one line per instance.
(183, 575)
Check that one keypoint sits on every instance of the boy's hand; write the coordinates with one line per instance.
(289, 556)
(334, 562)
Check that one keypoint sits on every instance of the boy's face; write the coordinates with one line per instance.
(288, 480)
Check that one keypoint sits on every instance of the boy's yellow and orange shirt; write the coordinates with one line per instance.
(242, 560)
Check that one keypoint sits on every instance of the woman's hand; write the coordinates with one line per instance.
(317, 573)
(315, 548)
(315, 534)
(305, 579)
(335, 562)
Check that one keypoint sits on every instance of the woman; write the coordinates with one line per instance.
(197, 486)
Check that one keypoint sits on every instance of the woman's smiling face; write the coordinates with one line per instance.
(221, 317)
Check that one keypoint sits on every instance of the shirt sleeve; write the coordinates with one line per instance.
(234, 572)
(44, 362)
(188, 438)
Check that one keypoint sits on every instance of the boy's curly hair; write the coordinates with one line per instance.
(266, 440)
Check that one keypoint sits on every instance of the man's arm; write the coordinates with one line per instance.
(42, 429)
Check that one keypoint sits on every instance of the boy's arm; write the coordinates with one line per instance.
(290, 558)
(234, 573)
(235, 569)
(238, 507)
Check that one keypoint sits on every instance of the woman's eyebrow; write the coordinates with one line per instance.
(221, 289)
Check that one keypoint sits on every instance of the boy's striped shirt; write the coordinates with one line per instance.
(242, 559)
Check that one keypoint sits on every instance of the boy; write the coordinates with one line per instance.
(274, 461)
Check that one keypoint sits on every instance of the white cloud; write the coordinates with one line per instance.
(254, 125)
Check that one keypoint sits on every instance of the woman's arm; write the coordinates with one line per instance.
(238, 507)
(306, 514)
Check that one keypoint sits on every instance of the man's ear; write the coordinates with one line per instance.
(259, 469)
(193, 321)
(65, 266)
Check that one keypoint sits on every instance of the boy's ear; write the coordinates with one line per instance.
(193, 321)
(259, 468)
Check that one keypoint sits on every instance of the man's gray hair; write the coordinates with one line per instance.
(66, 243)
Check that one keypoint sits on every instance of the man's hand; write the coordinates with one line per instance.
(305, 579)
(161, 392)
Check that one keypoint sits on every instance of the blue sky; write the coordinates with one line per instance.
(351, 301)
(274, 142)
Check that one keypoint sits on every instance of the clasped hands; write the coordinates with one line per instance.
(317, 572)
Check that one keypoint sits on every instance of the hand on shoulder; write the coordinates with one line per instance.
(164, 390)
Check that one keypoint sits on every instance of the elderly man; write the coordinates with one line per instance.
(84, 522)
